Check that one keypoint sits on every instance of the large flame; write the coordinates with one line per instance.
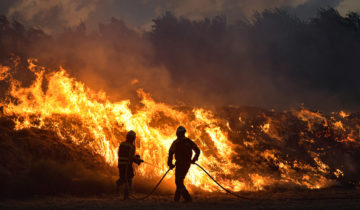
(90, 119)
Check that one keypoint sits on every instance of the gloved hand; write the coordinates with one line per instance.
(138, 160)
(171, 166)
(193, 161)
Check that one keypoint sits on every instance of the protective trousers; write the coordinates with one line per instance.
(126, 173)
(180, 173)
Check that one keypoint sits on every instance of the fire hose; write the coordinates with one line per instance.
(156, 186)
(207, 173)
(228, 191)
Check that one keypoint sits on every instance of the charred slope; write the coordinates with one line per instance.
(295, 145)
(36, 161)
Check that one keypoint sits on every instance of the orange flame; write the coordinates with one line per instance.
(90, 119)
(87, 117)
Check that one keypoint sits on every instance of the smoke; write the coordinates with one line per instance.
(273, 59)
(310, 8)
(51, 15)
(349, 5)
(276, 61)
(55, 15)
(233, 9)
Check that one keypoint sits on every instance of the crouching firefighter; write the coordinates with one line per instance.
(182, 147)
(126, 158)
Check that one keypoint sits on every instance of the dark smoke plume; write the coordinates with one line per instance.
(274, 60)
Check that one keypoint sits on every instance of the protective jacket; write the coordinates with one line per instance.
(182, 147)
(126, 153)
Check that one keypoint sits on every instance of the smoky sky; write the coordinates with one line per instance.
(278, 55)
(54, 15)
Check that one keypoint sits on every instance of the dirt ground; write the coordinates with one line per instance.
(335, 198)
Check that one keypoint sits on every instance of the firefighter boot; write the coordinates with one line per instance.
(186, 196)
(118, 185)
(177, 195)
(126, 195)
(126, 192)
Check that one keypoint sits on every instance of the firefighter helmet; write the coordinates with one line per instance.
(180, 130)
(131, 135)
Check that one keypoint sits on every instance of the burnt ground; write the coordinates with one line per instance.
(334, 198)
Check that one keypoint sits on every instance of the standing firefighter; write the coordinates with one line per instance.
(182, 147)
(126, 158)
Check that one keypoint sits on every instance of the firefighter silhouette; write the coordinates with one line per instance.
(126, 158)
(182, 147)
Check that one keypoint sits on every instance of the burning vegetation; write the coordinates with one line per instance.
(59, 133)
(57, 117)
